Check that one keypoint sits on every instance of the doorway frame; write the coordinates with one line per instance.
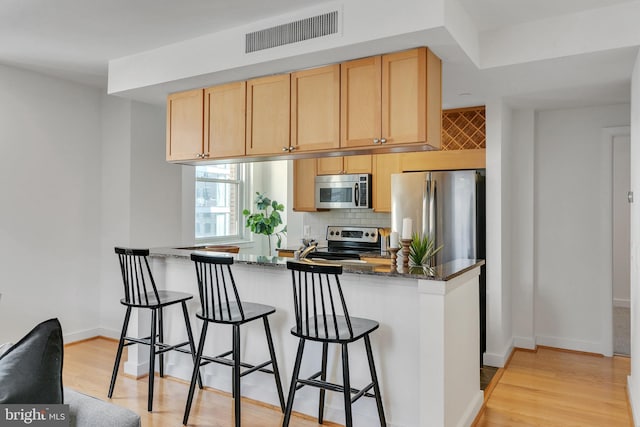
(608, 136)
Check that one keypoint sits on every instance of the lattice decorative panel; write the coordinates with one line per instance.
(463, 129)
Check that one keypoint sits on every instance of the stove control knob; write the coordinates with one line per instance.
(337, 233)
(331, 233)
(366, 234)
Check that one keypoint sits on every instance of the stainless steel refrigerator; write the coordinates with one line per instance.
(450, 207)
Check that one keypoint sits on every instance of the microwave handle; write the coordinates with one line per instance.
(357, 196)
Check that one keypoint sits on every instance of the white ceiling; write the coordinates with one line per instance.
(75, 39)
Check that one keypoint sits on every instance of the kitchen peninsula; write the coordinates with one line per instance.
(425, 349)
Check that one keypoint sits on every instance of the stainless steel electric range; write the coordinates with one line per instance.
(349, 242)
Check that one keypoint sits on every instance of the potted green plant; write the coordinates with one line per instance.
(422, 251)
(267, 219)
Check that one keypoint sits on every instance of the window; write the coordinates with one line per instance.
(219, 201)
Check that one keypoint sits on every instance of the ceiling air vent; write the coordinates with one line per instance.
(292, 32)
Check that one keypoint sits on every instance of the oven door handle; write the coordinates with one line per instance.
(357, 195)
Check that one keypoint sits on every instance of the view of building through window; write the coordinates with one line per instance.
(219, 200)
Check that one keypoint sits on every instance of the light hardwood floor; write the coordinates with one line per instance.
(551, 387)
(544, 388)
(87, 368)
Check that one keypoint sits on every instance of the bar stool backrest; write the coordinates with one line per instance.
(136, 276)
(320, 308)
(218, 292)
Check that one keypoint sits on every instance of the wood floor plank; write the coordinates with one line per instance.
(552, 388)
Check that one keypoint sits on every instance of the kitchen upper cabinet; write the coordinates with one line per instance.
(384, 165)
(347, 164)
(224, 125)
(268, 105)
(315, 109)
(361, 102)
(392, 99)
(304, 176)
(185, 118)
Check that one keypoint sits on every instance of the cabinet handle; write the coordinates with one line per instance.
(285, 148)
(205, 155)
(376, 141)
(198, 156)
(383, 140)
(291, 148)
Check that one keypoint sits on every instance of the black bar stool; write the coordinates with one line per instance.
(221, 304)
(140, 292)
(322, 316)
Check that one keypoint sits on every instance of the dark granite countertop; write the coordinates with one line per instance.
(441, 272)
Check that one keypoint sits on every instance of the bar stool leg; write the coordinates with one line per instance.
(161, 339)
(374, 379)
(196, 372)
(116, 366)
(323, 377)
(274, 363)
(192, 345)
(236, 373)
(347, 386)
(152, 359)
(294, 383)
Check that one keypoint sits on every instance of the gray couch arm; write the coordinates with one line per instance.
(87, 411)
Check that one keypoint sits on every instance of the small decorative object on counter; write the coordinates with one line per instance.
(422, 251)
(384, 240)
(394, 259)
(265, 222)
(407, 228)
(405, 254)
(393, 240)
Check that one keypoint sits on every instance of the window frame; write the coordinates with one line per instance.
(244, 178)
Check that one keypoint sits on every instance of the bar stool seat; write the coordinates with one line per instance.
(322, 316)
(250, 311)
(141, 293)
(221, 304)
(359, 327)
(162, 299)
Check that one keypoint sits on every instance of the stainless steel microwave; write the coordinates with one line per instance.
(343, 191)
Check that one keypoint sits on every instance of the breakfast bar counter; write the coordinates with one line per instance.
(426, 348)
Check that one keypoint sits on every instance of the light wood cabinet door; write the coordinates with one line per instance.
(268, 115)
(357, 164)
(304, 175)
(384, 165)
(224, 125)
(360, 106)
(330, 165)
(347, 164)
(411, 97)
(184, 125)
(315, 108)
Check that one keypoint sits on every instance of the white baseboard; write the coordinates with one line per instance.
(90, 333)
(619, 302)
(472, 410)
(570, 344)
(525, 342)
(635, 410)
(498, 360)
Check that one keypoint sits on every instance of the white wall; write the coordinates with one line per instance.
(50, 216)
(634, 378)
(522, 231)
(141, 194)
(571, 226)
(498, 153)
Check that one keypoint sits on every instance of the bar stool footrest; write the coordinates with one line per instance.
(311, 381)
